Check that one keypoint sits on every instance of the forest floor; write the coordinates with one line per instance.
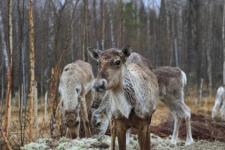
(160, 138)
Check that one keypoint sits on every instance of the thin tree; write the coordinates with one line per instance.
(85, 30)
(223, 34)
(208, 49)
(9, 72)
(21, 46)
(111, 23)
(32, 70)
(3, 43)
(103, 23)
(4, 63)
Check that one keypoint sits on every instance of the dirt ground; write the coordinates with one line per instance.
(104, 143)
(162, 114)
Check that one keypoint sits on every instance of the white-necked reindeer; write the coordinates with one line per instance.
(171, 82)
(219, 103)
(76, 92)
(133, 94)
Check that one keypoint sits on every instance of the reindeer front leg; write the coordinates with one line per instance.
(121, 133)
(144, 134)
(113, 134)
(84, 118)
(144, 138)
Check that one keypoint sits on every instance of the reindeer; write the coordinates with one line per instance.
(133, 93)
(171, 82)
(101, 115)
(219, 103)
(76, 92)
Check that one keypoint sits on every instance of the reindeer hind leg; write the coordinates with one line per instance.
(189, 139)
(177, 122)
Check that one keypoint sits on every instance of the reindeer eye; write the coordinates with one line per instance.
(117, 62)
(98, 124)
(77, 90)
(66, 69)
(77, 123)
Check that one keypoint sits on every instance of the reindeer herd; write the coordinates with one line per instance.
(123, 96)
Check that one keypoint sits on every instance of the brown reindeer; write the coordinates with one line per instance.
(76, 92)
(171, 82)
(133, 93)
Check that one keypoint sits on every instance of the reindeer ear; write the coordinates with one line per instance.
(94, 53)
(126, 51)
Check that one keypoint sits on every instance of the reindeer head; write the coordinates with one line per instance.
(100, 120)
(72, 121)
(110, 65)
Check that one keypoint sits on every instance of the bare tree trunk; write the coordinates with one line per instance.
(96, 34)
(85, 31)
(3, 43)
(148, 47)
(35, 106)
(3, 85)
(46, 107)
(138, 27)
(120, 30)
(111, 24)
(208, 50)
(223, 34)
(9, 73)
(103, 24)
(32, 70)
(1, 109)
(73, 30)
(200, 92)
(176, 52)
(2, 94)
(4, 58)
(53, 96)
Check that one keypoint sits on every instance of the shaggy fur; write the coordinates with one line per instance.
(171, 82)
(133, 93)
(219, 103)
(75, 86)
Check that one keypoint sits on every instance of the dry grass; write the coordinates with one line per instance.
(161, 115)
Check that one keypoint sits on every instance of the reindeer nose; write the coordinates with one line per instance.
(100, 86)
(70, 117)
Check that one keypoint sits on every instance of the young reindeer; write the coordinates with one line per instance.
(133, 93)
(219, 103)
(76, 92)
(171, 82)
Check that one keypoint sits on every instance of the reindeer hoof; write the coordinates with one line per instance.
(173, 141)
(189, 141)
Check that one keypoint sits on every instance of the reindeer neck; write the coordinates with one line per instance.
(121, 102)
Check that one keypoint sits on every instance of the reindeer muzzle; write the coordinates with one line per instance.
(100, 85)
